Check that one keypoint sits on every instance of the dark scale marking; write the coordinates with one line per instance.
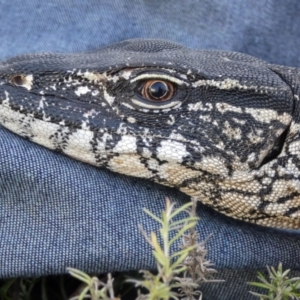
(221, 209)
(145, 162)
(102, 159)
(292, 210)
(262, 206)
(61, 138)
(229, 135)
(287, 198)
(160, 162)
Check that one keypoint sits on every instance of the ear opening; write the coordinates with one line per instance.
(277, 148)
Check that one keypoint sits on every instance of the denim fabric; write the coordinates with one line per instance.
(56, 212)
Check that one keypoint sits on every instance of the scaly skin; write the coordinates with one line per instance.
(228, 134)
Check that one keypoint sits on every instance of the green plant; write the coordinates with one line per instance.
(189, 262)
(94, 289)
(279, 285)
(179, 273)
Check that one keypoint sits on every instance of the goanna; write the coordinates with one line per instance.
(220, 126)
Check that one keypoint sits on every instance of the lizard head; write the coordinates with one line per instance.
(214, 124)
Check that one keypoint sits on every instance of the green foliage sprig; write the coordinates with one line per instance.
(279, 285)
(179, 273)
(189, 261)
(94, 289)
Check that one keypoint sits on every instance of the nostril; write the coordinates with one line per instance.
(25, 81)
(18, 80)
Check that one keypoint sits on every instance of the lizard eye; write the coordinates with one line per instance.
(157, 90)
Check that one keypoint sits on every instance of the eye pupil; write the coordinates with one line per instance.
(158, 89)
